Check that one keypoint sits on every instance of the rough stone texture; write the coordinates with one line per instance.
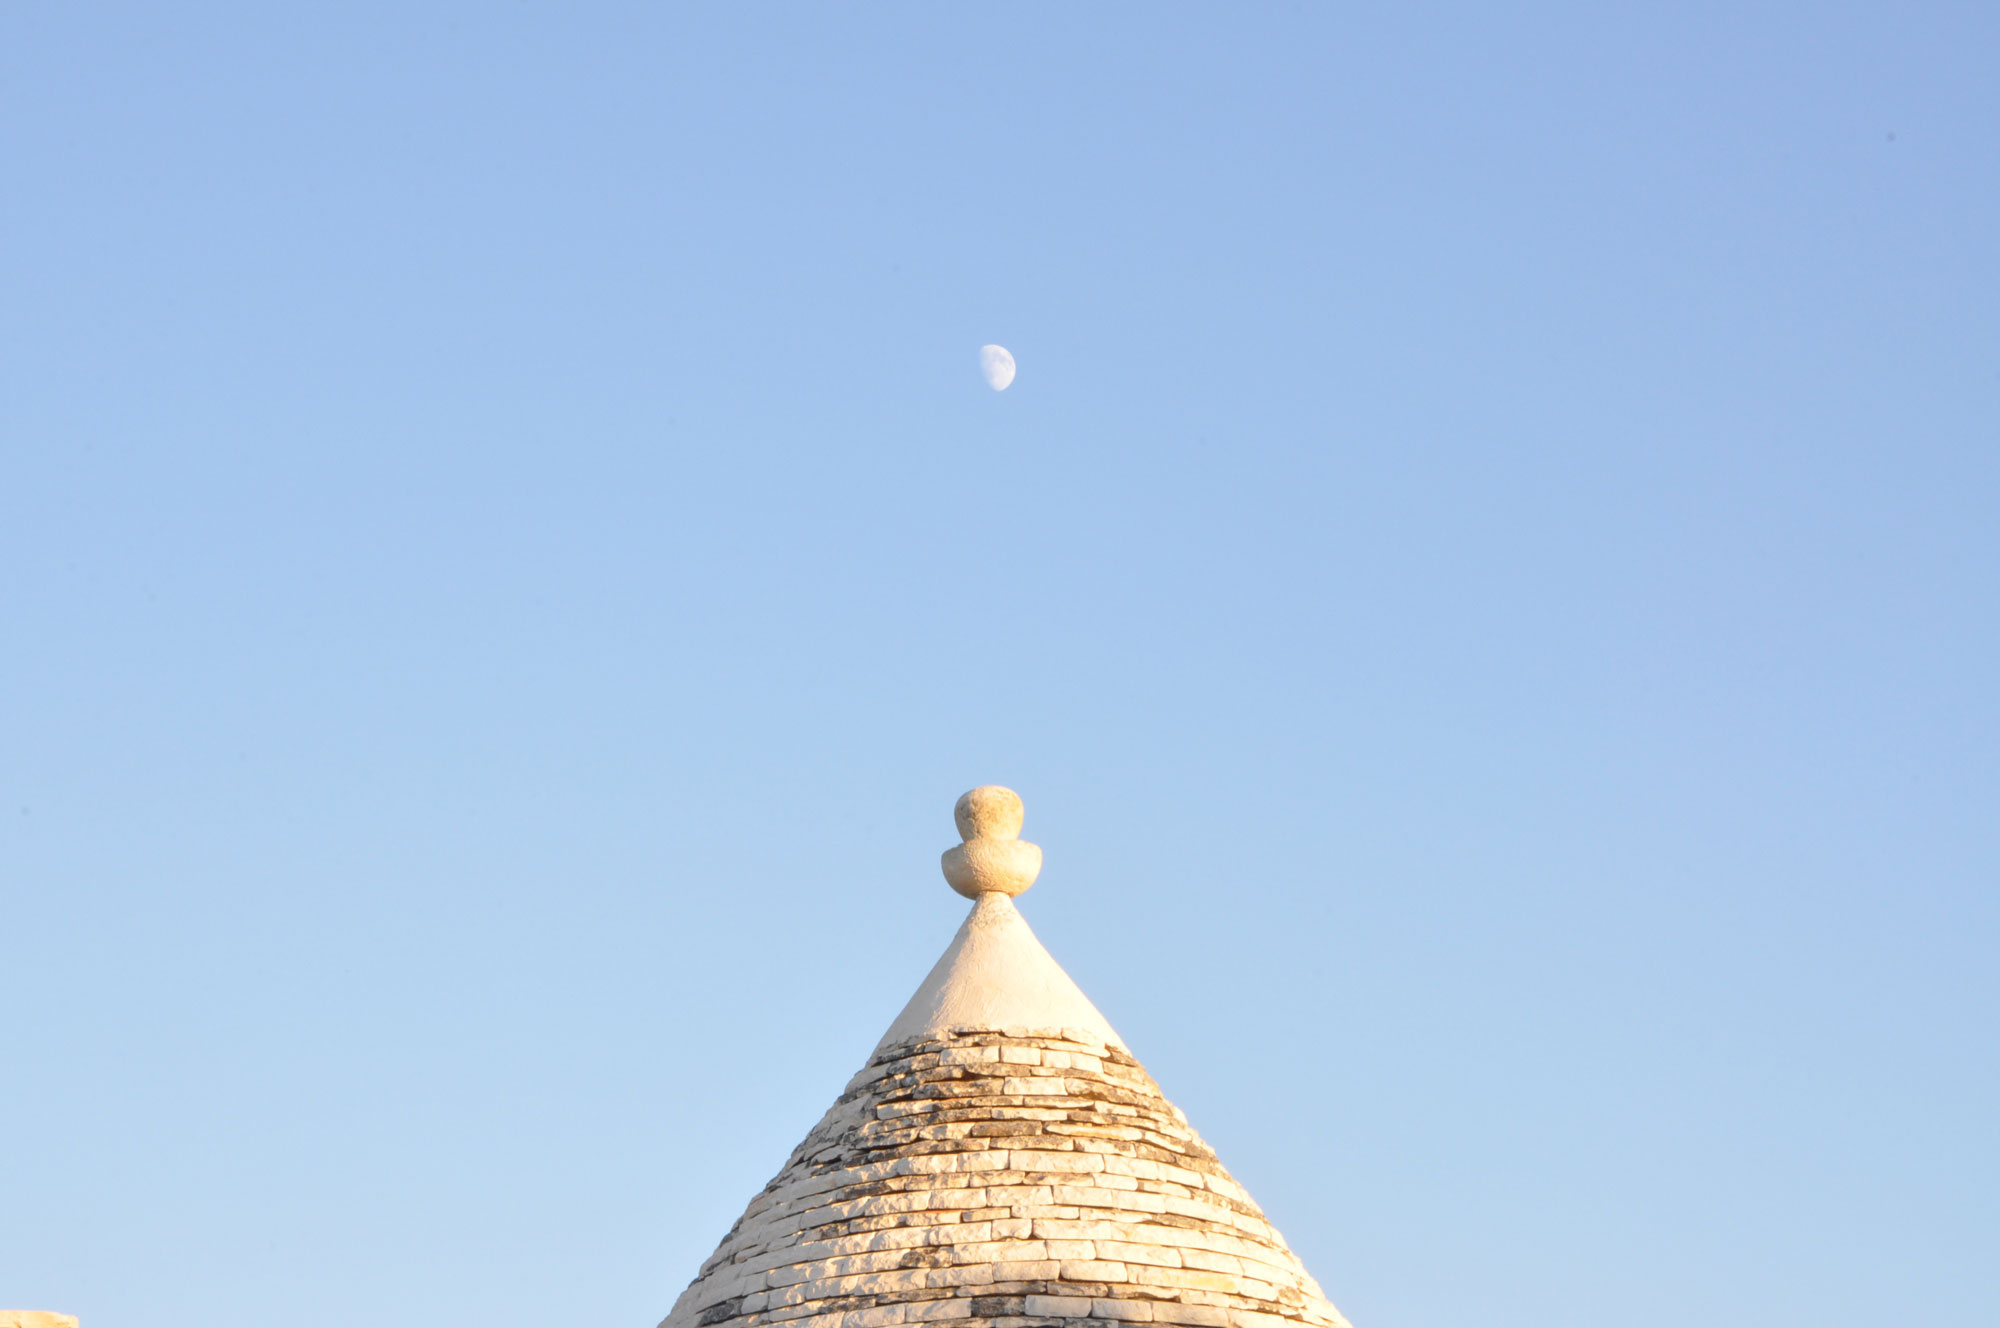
(987, 866)
(35, 1319)
(1017, 1177)
(990, 811)
(1001, 1161)
(994, 859)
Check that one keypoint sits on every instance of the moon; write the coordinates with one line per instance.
(997, 363)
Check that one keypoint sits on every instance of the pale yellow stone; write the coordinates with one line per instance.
(976, 1274)
(787, 1313)
(862, 1263)
(1223, 1185)
(874, 1206)
(944, 1199)
(1000, 1251)
(1055, 1228)
(1061, 1212)
(1194, 1180)
(889, 1238)
(1131, 1252)
(970, 1055)
(36, 1319)
(933, 1310)
(960, 1233)
(879, 1317)
(1144, 1168)
(1201, 1316)
(993, 867)
(1257, 1319)
(1033, 1087)
(1060, 1307)
(1027, 1160)
(990, 811)
(992, 860)
(1016, 1195)
(1212, 1262)
(1194, 1279)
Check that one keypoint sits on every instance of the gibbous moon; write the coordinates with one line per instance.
(997, 363)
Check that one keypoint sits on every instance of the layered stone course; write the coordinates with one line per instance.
(1006, 1178)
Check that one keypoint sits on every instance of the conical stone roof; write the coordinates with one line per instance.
(1001, 1160)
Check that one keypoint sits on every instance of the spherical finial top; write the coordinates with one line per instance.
(993, 859)
(989, 812)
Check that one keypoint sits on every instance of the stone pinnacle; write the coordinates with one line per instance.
(993, 859)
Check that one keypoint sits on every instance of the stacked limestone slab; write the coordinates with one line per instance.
(1002, 1160)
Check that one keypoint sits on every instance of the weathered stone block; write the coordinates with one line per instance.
(1060, 1307)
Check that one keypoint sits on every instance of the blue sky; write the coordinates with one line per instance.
(1486, 581)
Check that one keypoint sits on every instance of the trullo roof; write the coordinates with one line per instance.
(1001, 1160)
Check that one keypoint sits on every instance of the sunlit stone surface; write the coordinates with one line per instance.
(1001, 1160)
